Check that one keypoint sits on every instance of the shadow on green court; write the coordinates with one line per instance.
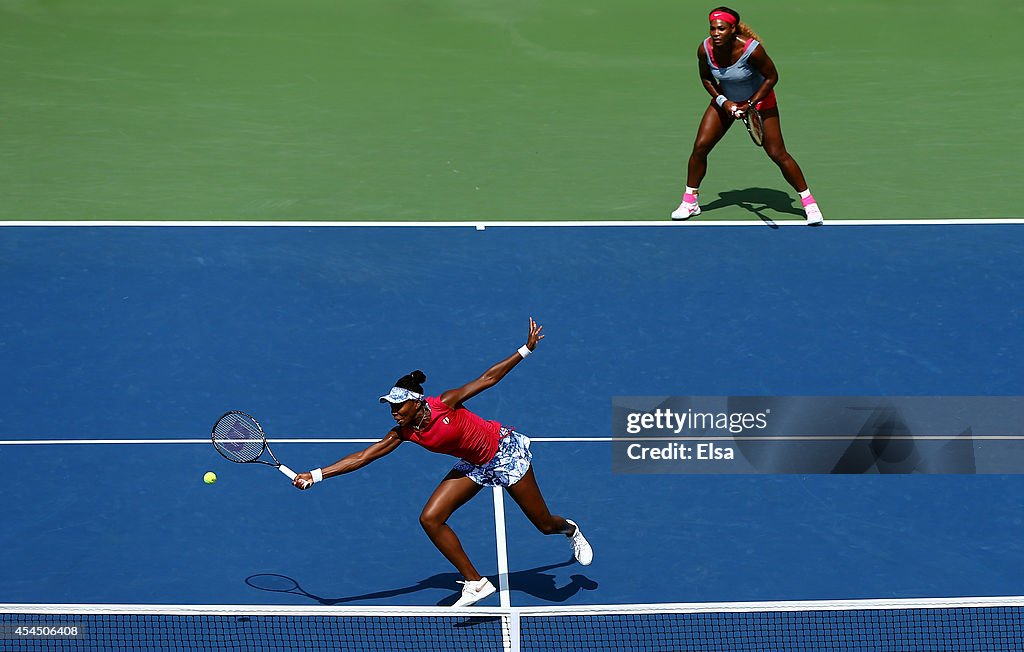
(757, 201)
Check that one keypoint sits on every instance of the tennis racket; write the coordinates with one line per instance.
(240, 438)
(755, 125)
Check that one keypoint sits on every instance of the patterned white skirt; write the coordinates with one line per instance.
(507, 467)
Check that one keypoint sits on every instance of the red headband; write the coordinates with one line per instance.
(722, 15)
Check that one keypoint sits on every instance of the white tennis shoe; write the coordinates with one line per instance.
(814, 217)
(581, 549)
(686, 210)
(473, 592)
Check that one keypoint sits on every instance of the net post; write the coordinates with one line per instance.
(502, 548)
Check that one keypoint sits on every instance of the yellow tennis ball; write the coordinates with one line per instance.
(210, 477)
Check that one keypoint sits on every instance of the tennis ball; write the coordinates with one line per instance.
(210, 477)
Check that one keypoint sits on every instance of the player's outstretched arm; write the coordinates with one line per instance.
(352, 462)
(490, 378)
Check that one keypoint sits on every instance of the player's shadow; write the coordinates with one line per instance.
(534, 581)
(757, 201)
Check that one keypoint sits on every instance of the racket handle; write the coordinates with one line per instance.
(288, 472)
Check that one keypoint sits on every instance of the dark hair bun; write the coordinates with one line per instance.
(412, 381)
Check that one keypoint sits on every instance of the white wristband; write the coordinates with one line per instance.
(721, 99)
(318, 475)
(524, 351)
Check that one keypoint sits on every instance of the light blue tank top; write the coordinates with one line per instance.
(740, 80)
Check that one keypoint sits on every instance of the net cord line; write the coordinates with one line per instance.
(517, 612)
(956, 221)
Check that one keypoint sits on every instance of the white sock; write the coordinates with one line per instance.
(692, 191)
(805, 194)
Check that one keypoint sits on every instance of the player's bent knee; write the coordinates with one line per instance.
(779, 155)
(701, 150)
(430, 521)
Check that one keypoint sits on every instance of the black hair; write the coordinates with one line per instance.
(728, 11)
(412, 381)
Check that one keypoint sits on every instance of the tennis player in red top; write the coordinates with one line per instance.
(490, 454)
(738, 74)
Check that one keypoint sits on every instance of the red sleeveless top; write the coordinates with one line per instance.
(456, 432)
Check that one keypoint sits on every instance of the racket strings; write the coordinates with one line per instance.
(756, 126)
(239, 439)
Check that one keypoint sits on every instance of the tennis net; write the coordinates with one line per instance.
(935, 625)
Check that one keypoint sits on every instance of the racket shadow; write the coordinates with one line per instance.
(534, 581)
(758, 201)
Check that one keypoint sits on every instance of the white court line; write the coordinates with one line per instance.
(501, 224)
(502, 546)
(562, 440)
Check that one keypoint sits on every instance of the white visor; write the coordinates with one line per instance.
(400, 395)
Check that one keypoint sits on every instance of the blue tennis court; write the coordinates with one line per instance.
(150, 333)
